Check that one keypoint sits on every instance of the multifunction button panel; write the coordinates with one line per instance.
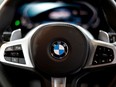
(14, 54)
(103, 55)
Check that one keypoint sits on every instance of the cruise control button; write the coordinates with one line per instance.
(22, 60)
(13, 54)
(15, 60)
(104, 55)
(8, 59)
(109, 60)
(9, 49)
(17, 47)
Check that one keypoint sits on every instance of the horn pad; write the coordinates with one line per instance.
(59, 49)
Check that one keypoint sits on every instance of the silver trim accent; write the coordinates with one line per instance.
(16, 34)
(59, 82)
(104, 36)
(85, 32)
(94, 45)
(3, 3)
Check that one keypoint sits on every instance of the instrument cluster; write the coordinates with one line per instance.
(30, 15)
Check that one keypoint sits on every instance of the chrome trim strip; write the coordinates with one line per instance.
(59, 82)
(3, 3)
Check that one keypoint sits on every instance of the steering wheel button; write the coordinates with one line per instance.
(17, 54)
(22, 60)
(111, 55)
(15, 60)
(110, 60)
(95, 62)
(6, 54)
(103, 55)
(13, 54)
(96, 55)
(9, 49)
(103, 61)
(17, 47)
(8, 59)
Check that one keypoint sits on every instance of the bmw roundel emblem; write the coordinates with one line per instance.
(59, 49)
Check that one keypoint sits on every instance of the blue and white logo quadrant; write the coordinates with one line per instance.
(59, 49)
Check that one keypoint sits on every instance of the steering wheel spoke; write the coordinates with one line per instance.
(101, 54)
(16, 53)
(58, 82)
(68, 81)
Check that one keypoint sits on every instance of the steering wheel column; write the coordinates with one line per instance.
(58, 50)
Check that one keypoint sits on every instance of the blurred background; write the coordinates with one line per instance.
(1, 1)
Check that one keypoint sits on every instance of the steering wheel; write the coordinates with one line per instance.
(57, 52)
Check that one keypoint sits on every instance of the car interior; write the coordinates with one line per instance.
(57, 43)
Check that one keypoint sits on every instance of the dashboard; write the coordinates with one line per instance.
(29, 15)
(35, 13)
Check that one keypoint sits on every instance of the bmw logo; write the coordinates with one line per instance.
(59, 49)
